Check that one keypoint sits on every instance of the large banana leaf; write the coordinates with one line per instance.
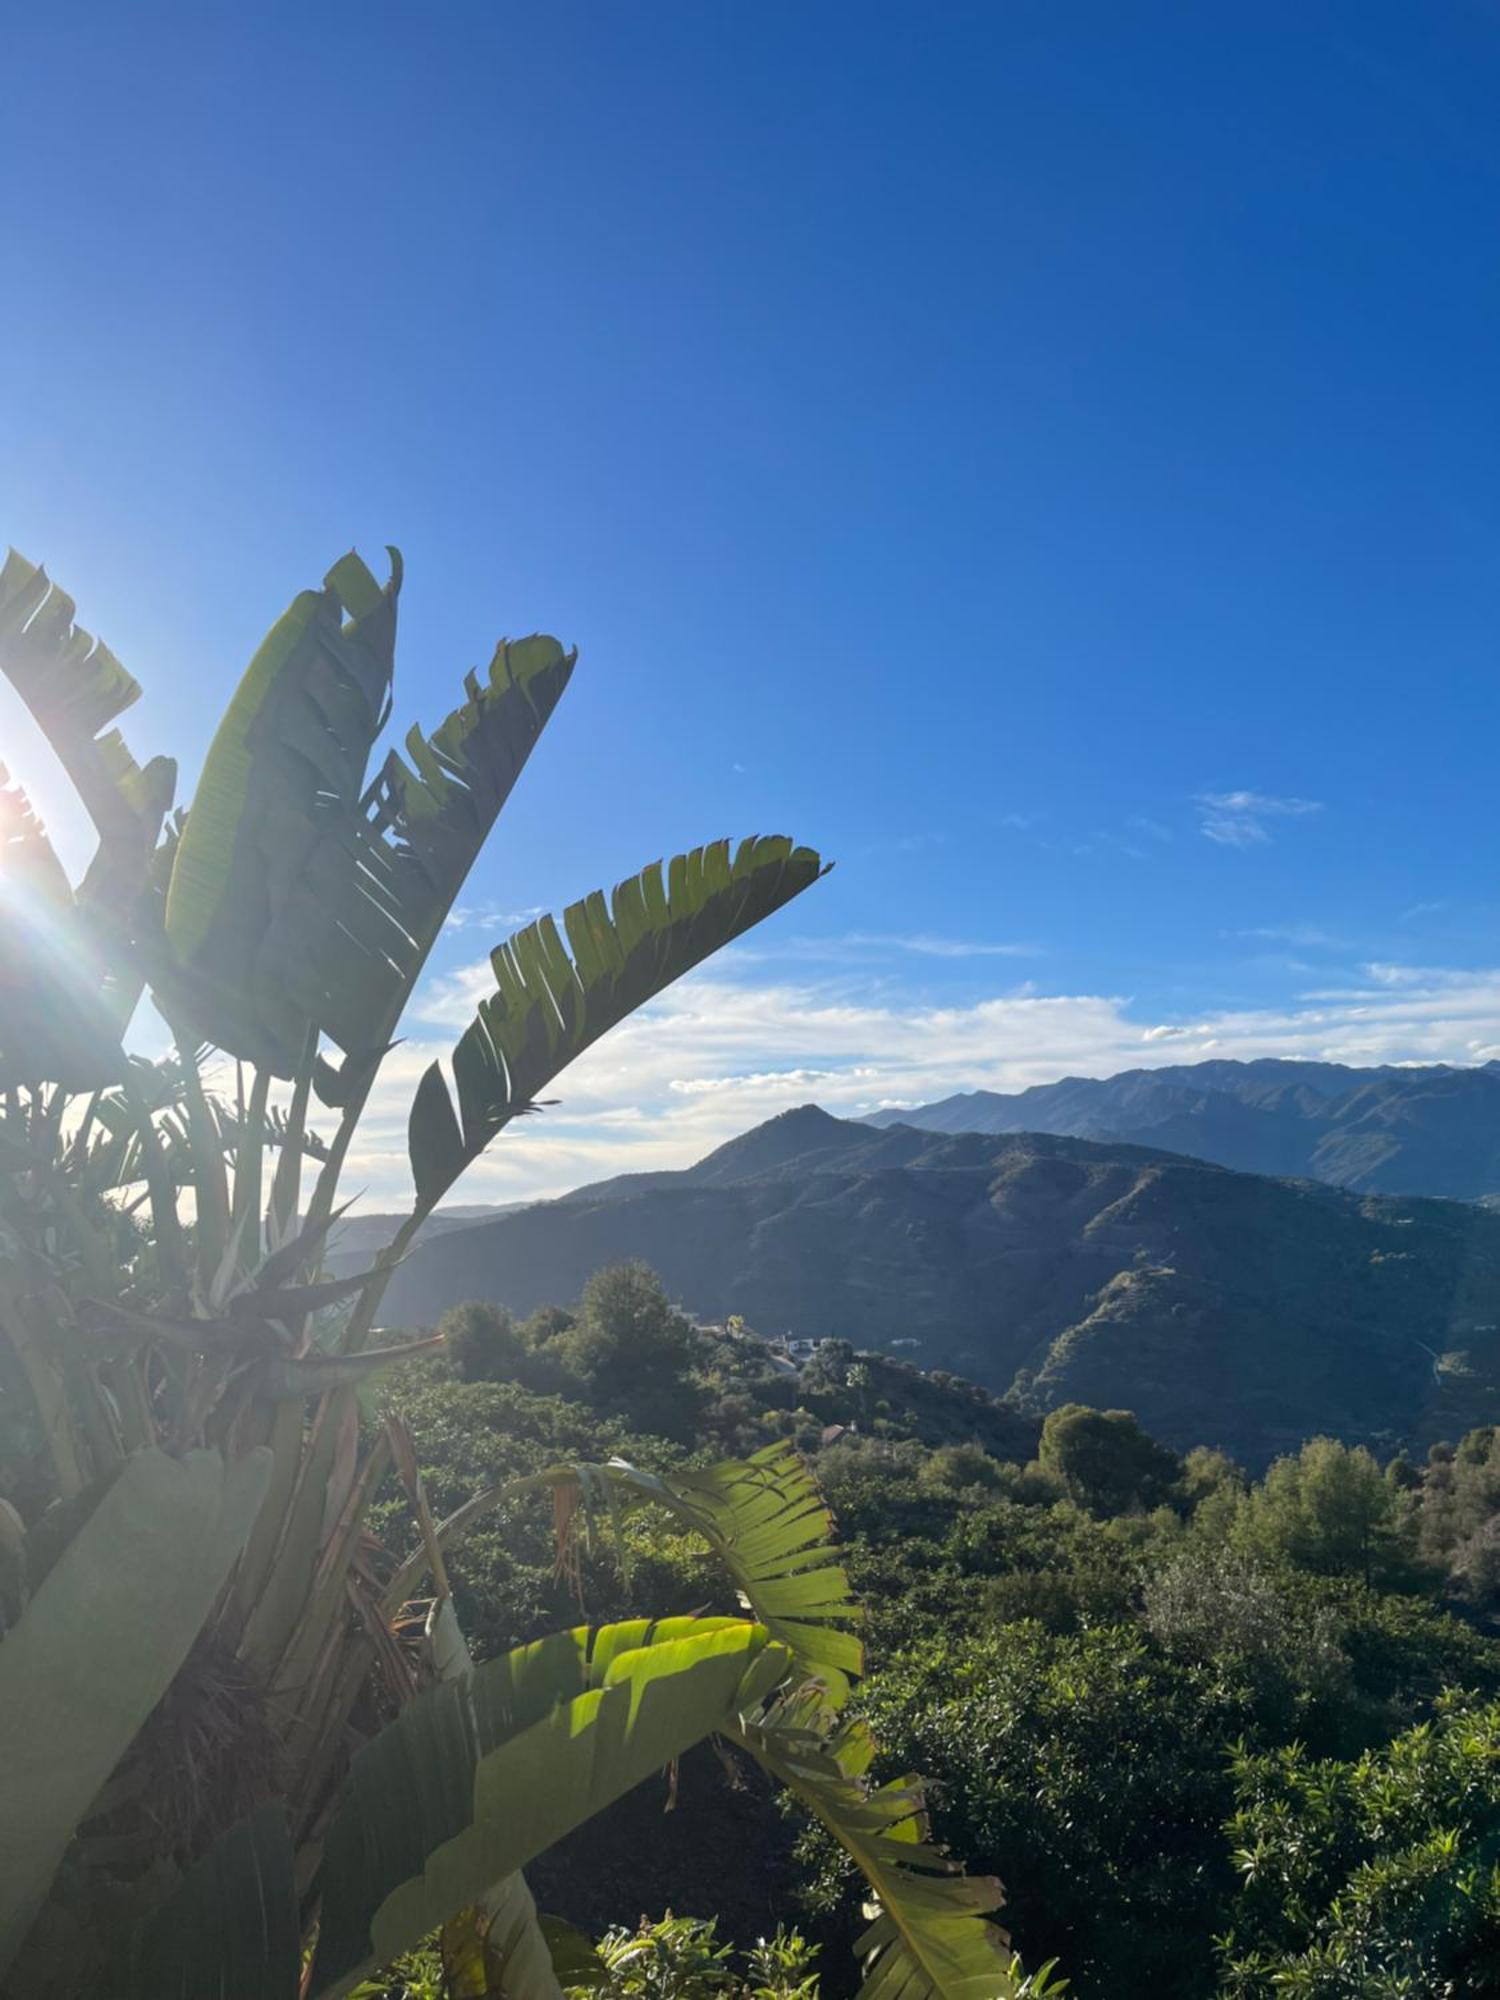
(763, 1517)
(74, 687)
(929, 1939)
(477, 1776)
(548, 1007)
(98, 1645)
(772, 1529)
(496, 1950)
(230, 1930)
(382, 883)
(500, 1951)
(55, 1026)
(287, 762)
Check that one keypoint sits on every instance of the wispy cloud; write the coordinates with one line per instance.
(718, 1053)
(487, 917)
(1306, 937)
(923, 944)
(1238, 819)
(861, 947)
(1151, 828)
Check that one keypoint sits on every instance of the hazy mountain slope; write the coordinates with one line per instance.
(356, 1240)
(1223, 1307)
(1385, 1131)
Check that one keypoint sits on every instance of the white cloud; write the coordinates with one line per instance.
(860, 947)
(1309, 937)
(1238, 819)
(718, 1054)
(486, 917)
(925, 945)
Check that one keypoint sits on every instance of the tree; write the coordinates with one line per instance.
(482, 1342)
(200, 1634)
(1327, 1509)
(1105, 1460)
(631, 1349)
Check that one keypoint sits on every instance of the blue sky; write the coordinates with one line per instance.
(1042, 454)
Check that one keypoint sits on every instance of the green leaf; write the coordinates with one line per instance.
(766, 1521)
(478, 1775)
(548, 1007)
(499, 1951)
(286, 764)
(55, 1024)
(99, 1644)
(301, 1376)
(929, 1940)
(763, 1517)
(230, 1927)
(74, 687)
(388, 879)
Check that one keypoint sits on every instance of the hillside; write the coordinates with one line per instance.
(1433, 1131)
(1224, 1308)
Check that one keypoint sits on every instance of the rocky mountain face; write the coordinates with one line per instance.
(1433, 1130)
(1224, 1308)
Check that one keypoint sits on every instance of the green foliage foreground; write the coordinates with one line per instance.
(244, 1746)
(1215, 1735)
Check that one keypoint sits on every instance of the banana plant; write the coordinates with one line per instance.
(256, 1741)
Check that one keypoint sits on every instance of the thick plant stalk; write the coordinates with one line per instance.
(249, 1159)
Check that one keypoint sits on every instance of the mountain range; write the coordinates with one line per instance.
(1223, 1307)
(1390, 1130)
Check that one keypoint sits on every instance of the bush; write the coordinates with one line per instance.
(1105, 1460)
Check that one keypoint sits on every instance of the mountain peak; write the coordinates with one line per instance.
(790, 1135)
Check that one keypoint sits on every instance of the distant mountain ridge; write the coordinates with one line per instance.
(1388, 1130)
(1223, 1307)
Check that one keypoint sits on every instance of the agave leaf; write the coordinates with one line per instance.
(98, 1645)
(478, 1775)
(548, 1007)
(287, 762)
(299, 1251)
(288, 1375)
(288, 1302)
(230, 1927)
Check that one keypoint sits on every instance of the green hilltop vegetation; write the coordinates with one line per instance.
(1226, 1308)
(1215, 1735)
